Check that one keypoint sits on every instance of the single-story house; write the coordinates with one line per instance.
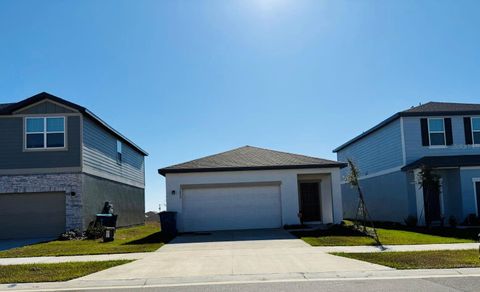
(253, 188)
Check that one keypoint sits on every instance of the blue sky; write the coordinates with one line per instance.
(185, 79)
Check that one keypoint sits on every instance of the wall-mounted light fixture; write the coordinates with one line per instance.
(173, 192)
(72, 194)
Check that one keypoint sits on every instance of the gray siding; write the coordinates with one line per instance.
(378, 151)
(13, 156)
(413, 140)
(385, 197)
(45, 107)
(100, 156)
(128, 201)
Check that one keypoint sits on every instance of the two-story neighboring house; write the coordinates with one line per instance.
(59, 163)
(444, 137)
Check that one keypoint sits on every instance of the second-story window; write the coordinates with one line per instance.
(119, 151)
(44, 132)
(476, 130)
(436, 131)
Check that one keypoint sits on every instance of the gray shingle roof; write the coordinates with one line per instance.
(427, 109)
(434, 107)
(444, 161)
(4, 105)
(250, 158)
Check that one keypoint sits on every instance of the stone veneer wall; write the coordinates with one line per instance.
(65, 182)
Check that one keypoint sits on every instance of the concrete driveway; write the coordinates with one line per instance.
(232, 253)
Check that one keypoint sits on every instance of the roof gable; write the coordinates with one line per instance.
(45, 107)
(45, 103)
(249, 158)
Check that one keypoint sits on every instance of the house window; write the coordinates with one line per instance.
(119, 151)
(436, 132)
(44, 133)
(476, 130)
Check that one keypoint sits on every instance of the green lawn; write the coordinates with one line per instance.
(441, 259)
(127, 240)
(33, 273)
(345, 235)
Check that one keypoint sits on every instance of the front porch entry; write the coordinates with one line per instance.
(310, 206)
(315, 204)
(433, 201)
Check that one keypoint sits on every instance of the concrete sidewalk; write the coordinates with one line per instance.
(387, 248)
(218, 245)
(64, 259)
(391, 274)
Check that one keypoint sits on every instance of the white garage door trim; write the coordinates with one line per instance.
(207, 207)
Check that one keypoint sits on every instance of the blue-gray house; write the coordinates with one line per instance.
(59, 163)
(444, 137)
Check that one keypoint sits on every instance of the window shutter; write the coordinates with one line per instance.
(467, 126)
(424, 127)
(448, 131)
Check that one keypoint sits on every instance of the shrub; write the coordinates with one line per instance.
(94, 231)
(471, 220)
(411, 221)
(452, 221)
(73, 234)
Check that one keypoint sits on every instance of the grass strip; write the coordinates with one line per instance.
(438, 259)
(145, 238)
(33, 273)
(391, 235)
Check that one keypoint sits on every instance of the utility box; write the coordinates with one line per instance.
(108, 234)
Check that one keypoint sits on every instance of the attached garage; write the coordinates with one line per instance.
(226, 207)
(32, 215)
(253, 188)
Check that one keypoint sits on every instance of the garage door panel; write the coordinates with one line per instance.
(32, 215)
(231, 208)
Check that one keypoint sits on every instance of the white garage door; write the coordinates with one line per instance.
(230, 208)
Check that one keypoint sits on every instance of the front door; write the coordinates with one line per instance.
(431, 198)
(310, 201)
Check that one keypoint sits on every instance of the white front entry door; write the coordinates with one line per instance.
(230, 208)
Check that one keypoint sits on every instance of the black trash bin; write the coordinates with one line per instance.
(168, 222)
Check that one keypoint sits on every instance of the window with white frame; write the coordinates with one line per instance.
(436, 131)
(119, 151)
(476, 130)
(44, 132)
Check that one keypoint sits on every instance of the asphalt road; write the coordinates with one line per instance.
(390, 285)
